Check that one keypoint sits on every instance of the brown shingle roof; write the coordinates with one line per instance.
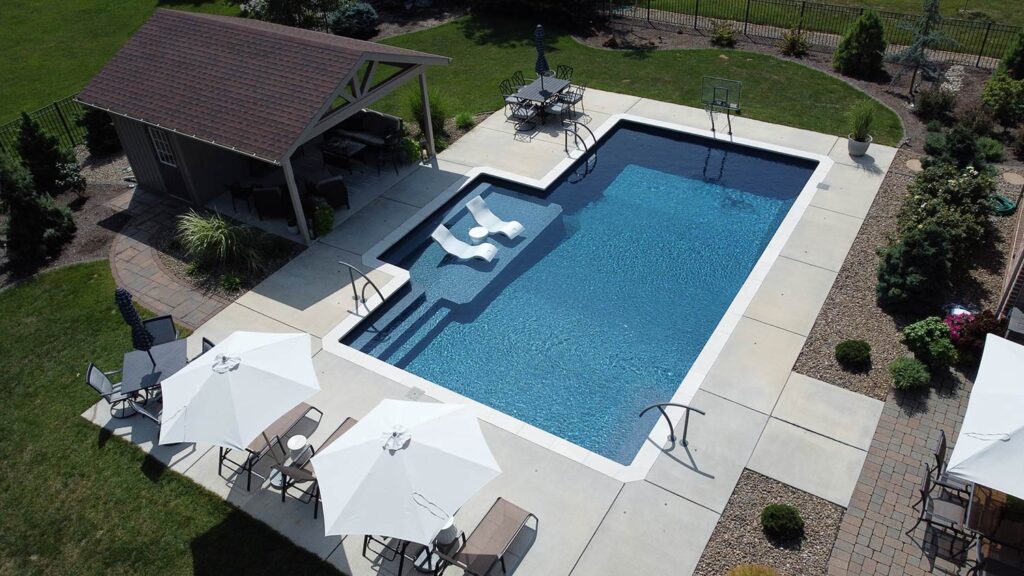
(239, 83)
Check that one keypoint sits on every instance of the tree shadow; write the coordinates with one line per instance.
(507, 32)
(240, 544)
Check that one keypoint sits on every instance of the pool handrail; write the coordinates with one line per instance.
(360, 296)
(671, 428)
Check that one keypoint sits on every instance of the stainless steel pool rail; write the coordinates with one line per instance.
(359, 296)
(580, 142)
(671, 428)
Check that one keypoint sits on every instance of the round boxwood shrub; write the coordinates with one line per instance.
(909, 374)
(853, 354)
(752, 570)
(355, 20)
(781, 522)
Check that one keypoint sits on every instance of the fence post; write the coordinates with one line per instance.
(746, 18)
(67, 131)
(696, 11)
(984, 41)
(649, 14)
(803, 6)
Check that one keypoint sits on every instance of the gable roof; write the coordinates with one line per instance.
(242, 84)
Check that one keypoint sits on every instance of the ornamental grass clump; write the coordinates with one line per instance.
(752, 570)
(861, 117)
(909, 374)
(217, 242)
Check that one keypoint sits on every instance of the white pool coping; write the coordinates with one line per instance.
(648, 453)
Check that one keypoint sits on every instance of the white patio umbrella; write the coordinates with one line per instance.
(403, 470)
(990, 447)
(233, 392)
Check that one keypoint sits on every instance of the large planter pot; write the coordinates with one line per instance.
(856, 147)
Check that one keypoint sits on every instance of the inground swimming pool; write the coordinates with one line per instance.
(602, 305)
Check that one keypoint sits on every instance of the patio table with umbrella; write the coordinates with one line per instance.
(403, 471)
(989, 452)
(231, 394)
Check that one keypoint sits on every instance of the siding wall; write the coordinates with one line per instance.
(140, 153)
(209, 169)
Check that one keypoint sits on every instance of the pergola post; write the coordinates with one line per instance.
(427, 124)
(293, 191)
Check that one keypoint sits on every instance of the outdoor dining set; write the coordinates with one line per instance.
(398, 475)
(974, 497)
(551, 94)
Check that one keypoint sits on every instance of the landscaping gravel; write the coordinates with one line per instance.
(738, 538)
(851, 311)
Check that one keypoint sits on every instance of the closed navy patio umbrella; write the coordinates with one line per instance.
(541, 67)
(141, 338)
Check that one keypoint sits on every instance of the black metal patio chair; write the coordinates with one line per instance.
(941, 478)
(517, 80)
(945, 511)
(563, 71)
(573, 95)
(100, 381)
(162, 329)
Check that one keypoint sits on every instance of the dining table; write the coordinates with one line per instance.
(542, 90)
(144, 372)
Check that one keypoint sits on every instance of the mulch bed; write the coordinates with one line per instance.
(851, 310)
(738, 538)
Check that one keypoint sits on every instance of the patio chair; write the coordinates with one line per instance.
(523, 113)
(162, 329)
(100, 381)
(264, 443)
(460, 249)
(489, 541)
(945, 512)
(148, 411)
(301, 472)
(558, 108)
(517, 79)
(941, 478)
(508, 96)
(573, 95)
(564, 72)
(240, 192)
(269, 202)
(494, 225)
(207, 345)
(334, 191)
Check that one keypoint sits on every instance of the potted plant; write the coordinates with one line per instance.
(861, 117)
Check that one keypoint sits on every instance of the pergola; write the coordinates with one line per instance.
(257, 89)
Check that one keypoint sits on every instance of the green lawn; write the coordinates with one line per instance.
(484, 52)
(52, 48)
(74, 501)
(969, 40)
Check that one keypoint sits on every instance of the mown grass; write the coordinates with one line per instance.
(74, 501)
(485, 51)
(52, 48)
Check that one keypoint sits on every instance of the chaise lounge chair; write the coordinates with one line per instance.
(301, 471)
(489, 541)
(494, 225)
(460, 249)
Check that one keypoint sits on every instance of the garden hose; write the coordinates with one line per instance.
(1002, 205)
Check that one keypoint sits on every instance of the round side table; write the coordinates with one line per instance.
(477, 234)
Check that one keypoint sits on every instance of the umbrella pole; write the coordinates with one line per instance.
(148, 351)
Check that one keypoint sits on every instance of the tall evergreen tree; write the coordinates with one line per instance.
(861, 51)
(37, 226)
(41, 155)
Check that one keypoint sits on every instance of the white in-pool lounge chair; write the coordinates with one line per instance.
(494, 225)
(460, 249)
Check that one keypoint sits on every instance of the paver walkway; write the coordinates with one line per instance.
(136, 267)
(872, 537)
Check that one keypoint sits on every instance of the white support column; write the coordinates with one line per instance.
(293, 191)
(428, 125)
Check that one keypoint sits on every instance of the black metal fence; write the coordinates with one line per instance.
(970, 42)
(59, 119)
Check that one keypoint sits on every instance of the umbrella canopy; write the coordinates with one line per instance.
(231, 394)
(403, 470)
(990, 448)
(541, 67)
(141, 338)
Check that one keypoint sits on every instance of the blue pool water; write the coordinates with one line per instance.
(605, 301)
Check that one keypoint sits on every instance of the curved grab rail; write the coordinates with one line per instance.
(573, 127)
(590, 162)
(671, 428)
(360, 296)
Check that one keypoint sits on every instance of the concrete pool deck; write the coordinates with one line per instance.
(593, 519)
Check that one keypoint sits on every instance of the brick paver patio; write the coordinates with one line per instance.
(136, 267)
(872, 537)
